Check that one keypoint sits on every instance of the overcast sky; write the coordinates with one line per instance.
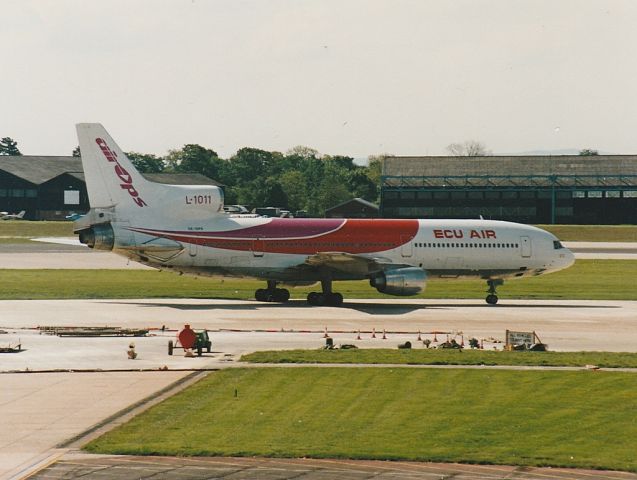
(354, 77)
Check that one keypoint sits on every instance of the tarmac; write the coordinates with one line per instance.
(60, 388)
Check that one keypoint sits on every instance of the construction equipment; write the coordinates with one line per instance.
(190, 340)
(11, 348)
(105, 331)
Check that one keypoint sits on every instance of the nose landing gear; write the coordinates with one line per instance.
(492, 298)
(272, 294)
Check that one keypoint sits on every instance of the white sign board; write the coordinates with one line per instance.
(520, 338)
(71, 197)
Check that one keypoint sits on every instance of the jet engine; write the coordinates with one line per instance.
(400, 281)
(99, 237)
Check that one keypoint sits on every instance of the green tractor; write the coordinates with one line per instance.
(188, 339)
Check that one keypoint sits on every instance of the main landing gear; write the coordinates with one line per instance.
(326, 297)
(272, 294)
(492, 298)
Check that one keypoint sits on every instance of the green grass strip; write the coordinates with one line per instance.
(21, 228)
(543, 418)
(586, 280)
(593, 233)
(446, 357)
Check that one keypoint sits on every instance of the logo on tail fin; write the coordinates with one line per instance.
(121, 172)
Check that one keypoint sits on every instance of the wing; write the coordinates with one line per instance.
(350, 264)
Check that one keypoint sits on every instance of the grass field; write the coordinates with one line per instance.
(587, 279)
(21, 228)
(593, 233)
(446, 357)
(568, 419)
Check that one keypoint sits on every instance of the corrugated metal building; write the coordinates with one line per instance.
(50, 188)
(569, 189)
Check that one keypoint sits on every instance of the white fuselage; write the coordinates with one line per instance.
(443, 248)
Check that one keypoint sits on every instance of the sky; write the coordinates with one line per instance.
(347, 77)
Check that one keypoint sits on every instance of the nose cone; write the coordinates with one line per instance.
(565, 259)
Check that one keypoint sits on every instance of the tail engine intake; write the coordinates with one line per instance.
(99, 237)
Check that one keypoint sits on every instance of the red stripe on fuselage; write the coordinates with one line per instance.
(355, 236)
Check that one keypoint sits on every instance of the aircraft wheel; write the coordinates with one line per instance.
(335, 300)
(312, 298)
(261, 295)
(281, 295)
(492, 299)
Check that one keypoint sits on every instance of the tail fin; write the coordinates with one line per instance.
(112, 181)
(111, 178)
(21, 214)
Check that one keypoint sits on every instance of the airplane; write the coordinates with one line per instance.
(12, 216)
(185, 229)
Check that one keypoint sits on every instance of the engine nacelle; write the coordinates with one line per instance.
(401, 281)
(99, 237)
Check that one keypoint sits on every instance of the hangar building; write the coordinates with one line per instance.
(50, 188)
(566, 189)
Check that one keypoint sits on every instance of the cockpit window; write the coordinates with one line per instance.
(557, 245)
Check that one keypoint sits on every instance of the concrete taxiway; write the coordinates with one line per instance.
(50, 407)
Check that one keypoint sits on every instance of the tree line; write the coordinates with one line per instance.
(300, 179)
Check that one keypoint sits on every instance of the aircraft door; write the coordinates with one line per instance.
(525, 244)
(407, 247)
(257, 247)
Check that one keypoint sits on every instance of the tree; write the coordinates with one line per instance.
(194, 158)
(146, 162)
(303, 152)
(8, 146)
(360, 185)
(587, 152)
(294, 185)
(77, 152)
(343, 161)
(468, 148)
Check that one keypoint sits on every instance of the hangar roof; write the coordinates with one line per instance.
(40, 169)
(354, 202)
(571, 170)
